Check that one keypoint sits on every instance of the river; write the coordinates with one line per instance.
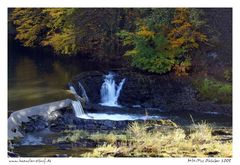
(37, 76)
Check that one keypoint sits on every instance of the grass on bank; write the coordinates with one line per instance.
(174, 143)
(214, 90)
(139, 141)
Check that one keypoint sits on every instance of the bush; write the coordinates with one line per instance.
(211, 89)
(228, 75)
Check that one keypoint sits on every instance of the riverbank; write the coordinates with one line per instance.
(150, 139)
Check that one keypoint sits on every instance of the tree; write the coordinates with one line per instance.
(185, 35)
(160, 44)
(73, 30)
(61, 33)
(46, 27)
(157, 40)
(150, 50)
(30, 24)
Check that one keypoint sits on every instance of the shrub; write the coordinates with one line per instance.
(72, 136)
(228, 75)
(211, 89)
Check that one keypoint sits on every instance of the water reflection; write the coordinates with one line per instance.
(28, 87)
(36, 76)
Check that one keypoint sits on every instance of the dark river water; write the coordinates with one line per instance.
(36, 76)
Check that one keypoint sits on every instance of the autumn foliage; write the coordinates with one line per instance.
(186, 36)
(162, 47)
(155, 40)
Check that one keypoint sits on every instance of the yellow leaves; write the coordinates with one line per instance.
(28, 24)
(54, 12)
(64, 42)
(177, 42)
(46, 27)
(181, 16)
(201, 37)
(182, 68)
(130, 53)
(184, 34)
(145, 32)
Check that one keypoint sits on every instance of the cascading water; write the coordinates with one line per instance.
(77, 106)
(84, 94)
(72, 89)
(110, 91)
(78, 109)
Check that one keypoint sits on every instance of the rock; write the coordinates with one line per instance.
(35, 123)
(12, 154)
(61, 155)
(166, 92)
(225, 138)
(88, 143)
(16, 118)
(54, 115)
(221, 132)
(57, 127)
(27, 127)
(212, 153)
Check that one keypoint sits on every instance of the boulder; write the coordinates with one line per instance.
(12, 154)
(29, 115)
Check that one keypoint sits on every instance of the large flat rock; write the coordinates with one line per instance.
(16, 119)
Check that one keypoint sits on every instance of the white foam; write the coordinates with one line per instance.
(117, 117)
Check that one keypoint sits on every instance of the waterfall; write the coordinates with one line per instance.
(110, 91)
(77, 106)
(84, 94)
(78, 109)
(72, 89)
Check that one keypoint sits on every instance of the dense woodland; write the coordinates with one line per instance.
(154, 40)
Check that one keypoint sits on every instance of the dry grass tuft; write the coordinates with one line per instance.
(174, 143)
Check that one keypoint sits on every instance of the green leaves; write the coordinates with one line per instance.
(128, 37)
(211, 89)
(163, 40)
(155, 40)
(150, 50)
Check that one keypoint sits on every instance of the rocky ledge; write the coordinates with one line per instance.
(66, 120)
(166, 92)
